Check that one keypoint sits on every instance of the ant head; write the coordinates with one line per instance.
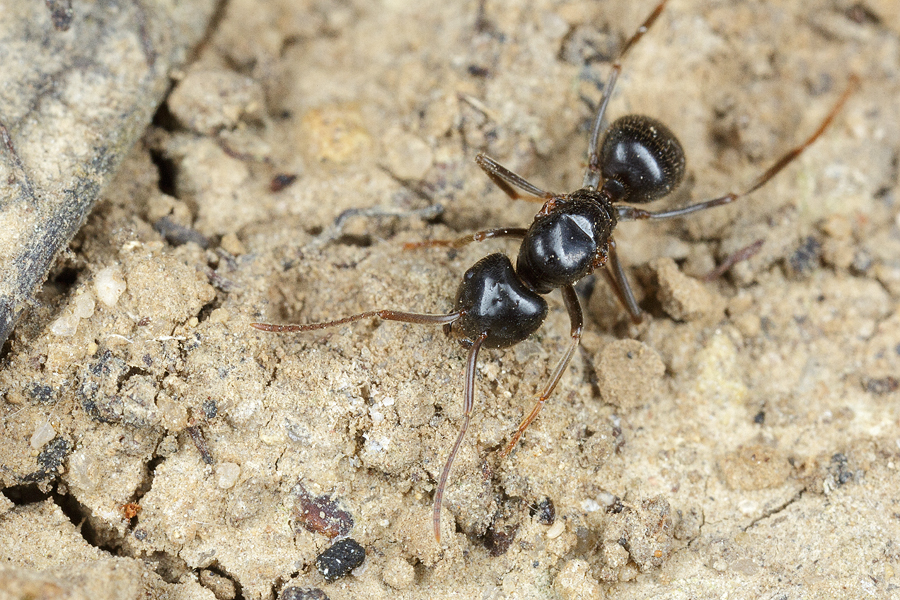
(641, 160)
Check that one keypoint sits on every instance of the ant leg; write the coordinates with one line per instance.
(593, 174)
(615, 276)
(629, 213)
(506, 180)
(570, 298)
(468, 402)
(480, 236)
(387, 315)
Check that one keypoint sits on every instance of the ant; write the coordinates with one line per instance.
(638, 160)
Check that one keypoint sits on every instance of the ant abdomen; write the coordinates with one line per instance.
(641, 160)
(493, 300)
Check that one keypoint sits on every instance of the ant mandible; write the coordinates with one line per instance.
(638, 160)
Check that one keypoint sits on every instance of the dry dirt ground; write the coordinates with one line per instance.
(743, 442)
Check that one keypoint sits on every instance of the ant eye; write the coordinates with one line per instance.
(642, 156)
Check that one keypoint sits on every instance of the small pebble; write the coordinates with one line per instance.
(556, 529)
(84, 305)
(684, 298)
(65, 326)
(320, 514)
(228, 474)
(231, 244)
(298, 593)
(629, 373)
(222, 587)
(341, 558)
(109, 285)
(42, 434)
(575, 580)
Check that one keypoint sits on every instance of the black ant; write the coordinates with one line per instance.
(638, 160)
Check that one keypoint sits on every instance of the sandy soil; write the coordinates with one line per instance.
(743, 442)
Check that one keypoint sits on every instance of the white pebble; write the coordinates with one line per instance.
(65, 326)
(109, 285)
(84, 305)
(556, 529)
(43, 434)
(82, 467)
(228, 475)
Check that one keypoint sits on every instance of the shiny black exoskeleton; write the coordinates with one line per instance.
(493, 299)
(638, 160)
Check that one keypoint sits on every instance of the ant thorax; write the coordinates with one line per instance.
(567, 242)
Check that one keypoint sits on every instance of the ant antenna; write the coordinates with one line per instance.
(592, 175)
(630, 213)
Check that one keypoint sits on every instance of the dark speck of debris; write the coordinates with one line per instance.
(200, 442)
(478, 71)
(839, 466)
(882, 385)
(805, 258)
(616, 507)
(41, 393)
(298, 593)
(177, 234)
(320, 514)
(545, 511)
(760, 417)
(60, 13)
(210, 410)
(140, 535)
(498, 539)
(281, 181)
(341, 558)
(50, 459)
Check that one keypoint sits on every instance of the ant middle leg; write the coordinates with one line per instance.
(618, 281)
(630, 213)
(570, 298)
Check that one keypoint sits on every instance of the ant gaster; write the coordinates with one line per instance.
(638, 160)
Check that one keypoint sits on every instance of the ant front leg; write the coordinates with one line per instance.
(507, 181)
(570, 298)
(480, 236)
